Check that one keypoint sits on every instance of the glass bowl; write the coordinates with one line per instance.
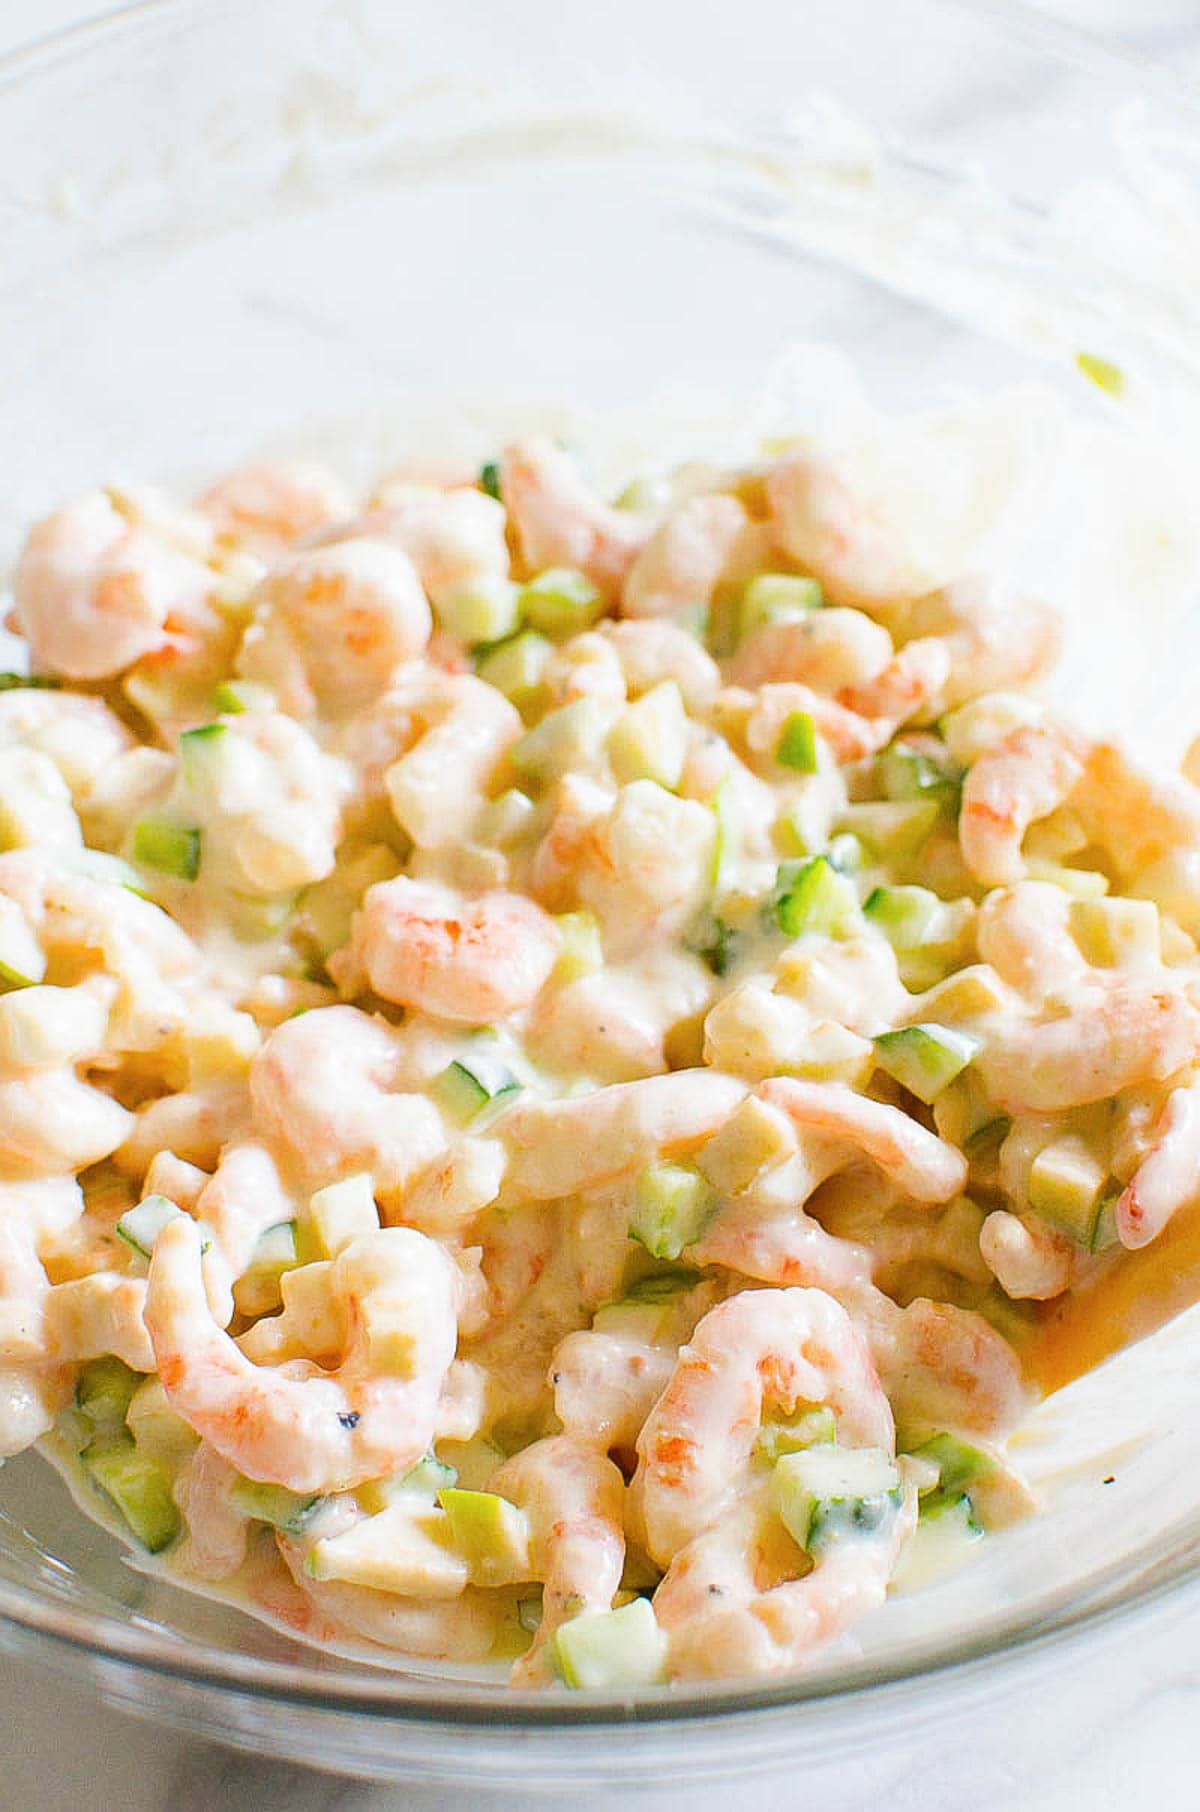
(373, 227)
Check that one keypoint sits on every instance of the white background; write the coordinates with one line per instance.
(1116, 1729)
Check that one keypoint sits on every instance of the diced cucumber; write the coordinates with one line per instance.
(201, 751)
(723, 806)
(231, 698)
(1115, 933)
(777, 598)
(489, 479)
(28, 682)
(138, 1483)
(827, 1495)
(560, 602)
(924, 1059)
(485, 609)
(405, 1548)
(649, 740)
(845, 853)
(105, 1390)
(671, 1205)
(470, 1085)
(893, 830)
(155, 1426)
(1066, 1183)
(490, 1533)
(571, 737)
(275, 1250)
(275, 1505)
(22, 962)
(422, 1482)
(810, 1428)
(812, 897)
(612, 1648)
(582, 948)
(797, 745)
(952, 1510)
(1104, 1227)
(342, 1212)
(504, 821)
(906, 774)
(716, 944)
(663, 1286)
(1080, 883)
(908, 916)
(139, 1227)
(754, 1138)
(517, 668)
(958, 1463)
(164, 843)
(930, 936)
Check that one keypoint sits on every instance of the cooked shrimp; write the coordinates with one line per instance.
(830, 650)
(557, 1148)
(1117, 1037)
(829, 530)
(920, 1164)
(944, 1367)
(218, 1532)
(267, 508)
(238, 1204)
(296, 1425)
(574, 1498)
(1148, 824)
(989, 639)
(323, 1093)
(93, 593)
(452, 535)
(644, 866)
(784, 1245)
(1024, 932)
(438, 785)
(51, 1122)
(651, 651)
(731, 1602)
(1020, 779)
(708, 538)
(332, 625)
(78, 733)
(907, 688)
(1168, 1177)
(850, 737)
(1029, 1259)
(606, 1384)
(558, 521)
(472, 962)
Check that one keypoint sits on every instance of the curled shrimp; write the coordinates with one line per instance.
(907, 687)
(989, 639)
(296, 1425)
(473, 961)
(943, 1366)
(1168, 1176)
(32, 1388)
(324, 1090)
(644, 866)
(79, 734)
(238, 1204)
(558, 521)
(761, 1348)
(1028, 1259)
(218, 1532)
(651, 650)
(1022, 778)
(557, 1148)
(704, 540)
(438, 785)
(452, 534)
(731, 1602)
(1116, 1037)
(831, 651)
(332, 625)
(93, 592)
(574, 1498)
(1149, 824)
(1024, 933)
(267, 508)
(850, 736)
(831, 531)
(919, 1163)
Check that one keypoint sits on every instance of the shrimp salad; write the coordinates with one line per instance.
(570, 1070)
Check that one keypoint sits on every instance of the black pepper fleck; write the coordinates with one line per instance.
(349, 1418)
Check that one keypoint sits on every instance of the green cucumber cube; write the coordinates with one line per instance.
(274, 1504)
(810, 1428)
(649, 740)
(672, 1203)
(661, 1287)
(200, 750)
(958, 1463)
(812, 897)
(490, 1533)
(483, 610)
(342, 1212)
(570, 737)
(907, 774)
(1104, 1227)
(138, 1484)
(472, 1084)
(489, 479)
(777, 598)
(925, 1059)
(1066, 1183)
(582, 949)
(139, 1227)
(560, 602)
(797, 745)
(163, 843)
(105, 1390)
(893, 830)
(231, 698)
(827, 1495)
(612, 1648)
(517, 668)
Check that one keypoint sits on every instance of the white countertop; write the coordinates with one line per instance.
(1117, 1728)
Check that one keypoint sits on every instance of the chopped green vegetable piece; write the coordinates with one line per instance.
(953, 1507)
(662, 1286)
(139, 1227)
(560, 602)
(717, 945)
(138, 1484)
(490, 1533)
(813, 897)
(1066, 1183)
(958, 1463)
(275, 1251)
(893, 830)
(987, 1137)
(797, 745)
(571, 737)
(342, 1212)
(671, 1205)
(231, 697)
(828, 1495)
(516, 668)
(484, 609)
(274, 1504)
(163, 843)
(777, 598)
(582, 948)
(811, 1428)
(1102, 372)
(105, 1390)
(1104, 1227)
(489, 479)
(924, 1059)
(470, 1085)
(198, 751)
(611, 1648)
(649, 740)
(28, 682)
(906, 774)
(908, 916)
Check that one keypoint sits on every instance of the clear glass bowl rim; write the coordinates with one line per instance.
(1135, 1585)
